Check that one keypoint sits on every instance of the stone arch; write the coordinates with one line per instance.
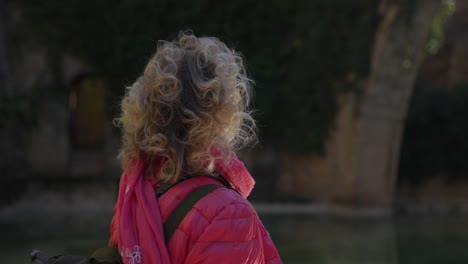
(397, 54)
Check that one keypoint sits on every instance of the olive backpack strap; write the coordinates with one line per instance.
(184, 207)
(107, 255)
(111, 254)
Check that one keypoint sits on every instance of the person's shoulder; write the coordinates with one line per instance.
(224, 216)
(221, 215)
(224, 202)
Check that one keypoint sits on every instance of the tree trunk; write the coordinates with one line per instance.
(397, 54)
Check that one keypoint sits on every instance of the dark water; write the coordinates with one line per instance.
(300, 239)
(401, 240)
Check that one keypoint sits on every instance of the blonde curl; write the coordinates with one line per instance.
(193, 96)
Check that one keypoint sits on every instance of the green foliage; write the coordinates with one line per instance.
(301, 53)
(438, 26)
(435, 141)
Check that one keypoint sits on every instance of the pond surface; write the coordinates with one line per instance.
(300, 239)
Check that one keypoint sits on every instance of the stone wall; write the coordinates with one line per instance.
(329, 178)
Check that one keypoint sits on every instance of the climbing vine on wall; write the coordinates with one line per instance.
(301, 53)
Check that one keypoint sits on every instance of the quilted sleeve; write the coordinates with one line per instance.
(234, 235)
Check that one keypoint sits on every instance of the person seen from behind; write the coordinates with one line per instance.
(182, 122)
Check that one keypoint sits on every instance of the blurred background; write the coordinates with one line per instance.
(362, 107)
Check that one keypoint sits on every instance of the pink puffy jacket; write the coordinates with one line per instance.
(222, 227)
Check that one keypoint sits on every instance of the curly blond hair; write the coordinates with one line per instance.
(193, 97)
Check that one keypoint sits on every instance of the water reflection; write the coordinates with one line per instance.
(334, 240)
(300, 239)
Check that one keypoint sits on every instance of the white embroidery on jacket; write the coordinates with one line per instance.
(134, 256)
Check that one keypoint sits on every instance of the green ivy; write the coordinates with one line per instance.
(438, 27)
(301, 53)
